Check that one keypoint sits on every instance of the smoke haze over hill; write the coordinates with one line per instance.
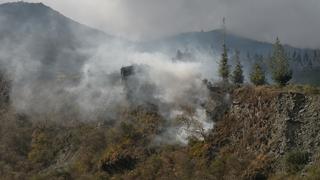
(59, 68)
(293, 20)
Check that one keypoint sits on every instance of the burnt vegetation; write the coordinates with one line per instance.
(245, 143)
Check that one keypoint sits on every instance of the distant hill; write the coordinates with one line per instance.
(33, 33)
(22, 17)
(303, 61)
(211, 40)
(44, 36)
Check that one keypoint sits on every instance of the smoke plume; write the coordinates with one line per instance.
(78, 75)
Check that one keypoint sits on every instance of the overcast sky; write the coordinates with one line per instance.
(296, 22)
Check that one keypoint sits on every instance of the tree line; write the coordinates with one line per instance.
(279, 68)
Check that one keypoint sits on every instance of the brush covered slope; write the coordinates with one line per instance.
(265, 133)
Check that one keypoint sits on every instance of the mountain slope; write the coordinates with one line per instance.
(303, 61)
(23, 18)
(213, 40)
(34, 33)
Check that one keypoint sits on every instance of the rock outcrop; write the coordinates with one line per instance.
(270, 123)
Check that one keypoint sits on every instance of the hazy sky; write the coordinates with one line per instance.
(296, 22)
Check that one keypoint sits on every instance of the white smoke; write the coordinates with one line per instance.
(62, 70)
(98, 91)
(177, 84)
(196, 125)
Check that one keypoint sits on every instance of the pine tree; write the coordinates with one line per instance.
(280, 68)
(294, 55)
(179, 55)
(257, 75)
(237, 75)
(223, 65)
(299, 60)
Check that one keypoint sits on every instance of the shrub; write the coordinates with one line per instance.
(314, 172)
(42, 150)
(296, 160)
(309, 89)
(257, 75)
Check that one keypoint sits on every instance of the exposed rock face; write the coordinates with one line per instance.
(302, 123)
(269, 123)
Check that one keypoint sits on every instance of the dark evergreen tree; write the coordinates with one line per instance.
(280, 68)
(310, 64)
(315, 55)
(294, 55)
(258, 58)
(306, 58)
(257, 75)
(299, 60)
(223, 65)
(237, 75)
(179, 55)
(249, 57)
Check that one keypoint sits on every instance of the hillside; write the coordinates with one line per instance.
(22, 18)
(36, 34)
(304, 62)
(259, 133)
(32, 33)
(212, 40)
(74, 106)
(265, 126)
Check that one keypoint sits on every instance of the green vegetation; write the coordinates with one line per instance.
(306, 89)
(237, 75)
(296, 160)
(224, 69)
(257, 75)
(279, 65)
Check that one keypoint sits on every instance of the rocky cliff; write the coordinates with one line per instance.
(268, 123)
